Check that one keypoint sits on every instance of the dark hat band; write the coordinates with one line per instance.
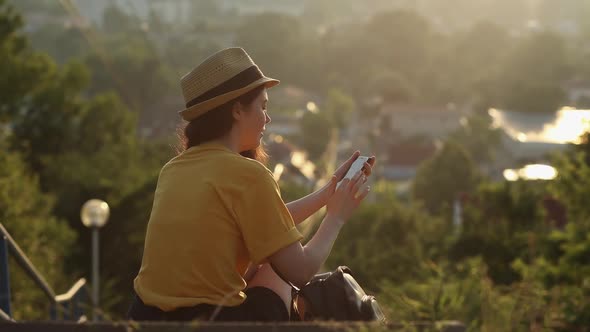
(243, 79)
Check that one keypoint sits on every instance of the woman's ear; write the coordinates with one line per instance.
(237, 111)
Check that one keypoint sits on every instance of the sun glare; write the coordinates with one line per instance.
(510, 175)
(567, 126)
(531, 172)
(312, 107)
(297, 159)
(278, 171)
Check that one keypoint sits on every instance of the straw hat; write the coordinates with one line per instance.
(222, 77)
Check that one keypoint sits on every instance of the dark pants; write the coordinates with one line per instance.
(261, 304)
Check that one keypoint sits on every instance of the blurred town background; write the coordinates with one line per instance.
(478, 112)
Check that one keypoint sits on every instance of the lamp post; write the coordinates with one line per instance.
(94, 214)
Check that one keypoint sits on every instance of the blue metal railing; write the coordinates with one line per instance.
(68, 306)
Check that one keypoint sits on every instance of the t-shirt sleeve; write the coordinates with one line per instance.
(263, 218)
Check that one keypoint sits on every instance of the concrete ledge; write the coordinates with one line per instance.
(125, 326)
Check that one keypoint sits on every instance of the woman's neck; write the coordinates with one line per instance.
(230, 141)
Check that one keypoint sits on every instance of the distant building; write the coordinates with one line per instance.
(402, 135)
(409, 120)
(401, 160)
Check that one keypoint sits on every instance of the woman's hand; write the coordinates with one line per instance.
(341, 172)
(347, 198)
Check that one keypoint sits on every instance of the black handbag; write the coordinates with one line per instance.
(337, 296)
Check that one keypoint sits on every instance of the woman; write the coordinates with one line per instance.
(218, 222)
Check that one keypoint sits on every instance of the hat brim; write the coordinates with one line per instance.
(197, 110)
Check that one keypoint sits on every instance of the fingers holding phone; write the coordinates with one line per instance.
(348, 197)
(359, 164)
(369, 164)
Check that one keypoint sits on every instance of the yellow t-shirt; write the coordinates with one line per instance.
(214, 212)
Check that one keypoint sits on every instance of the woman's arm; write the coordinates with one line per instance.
(250, 272)
(304, 207)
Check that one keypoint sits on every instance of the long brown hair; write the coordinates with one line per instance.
(217, 123)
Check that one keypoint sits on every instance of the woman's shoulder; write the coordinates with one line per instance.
(250, 165)
(244, 172)
(222, 162)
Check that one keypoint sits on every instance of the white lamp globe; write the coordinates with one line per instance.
(95, 213)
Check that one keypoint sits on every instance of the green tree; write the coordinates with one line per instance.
(563, 276)
(502, 222)
(62, 43)
(392, 87)
(467, 63)
(584, 146)
(75, 148)
(26, 212)
(49, 111)
(441, 179)
(465, 292)
(133, 69)
(387, 240)
(126, 229)
(523, 95)
(116, 21)
(531, 83)
(316, 129)
(274, 42)
(572, 185)
(400, 40)
(339, 108)
(563, 267)
(479, 139)
(205, 9)
(37, 6)
(18, 75)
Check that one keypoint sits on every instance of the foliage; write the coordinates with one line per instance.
(25, 212)
(134, 69)
(478, 138)
(285, 31)
(316, 129)
(501, 222)
(291, 190)
(339, 108)
(564, 277)
(464, 291)
(573, 183)
(441, 179)
(392, 87)
(65, 147)
(537, 91)
(388, 241)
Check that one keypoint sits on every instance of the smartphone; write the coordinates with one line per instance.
(357, 165)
